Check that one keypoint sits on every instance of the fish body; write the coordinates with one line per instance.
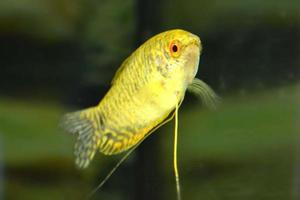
(145, 90)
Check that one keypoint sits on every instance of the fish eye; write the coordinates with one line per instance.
(174, 48)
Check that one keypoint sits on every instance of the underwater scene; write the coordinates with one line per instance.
(87, 84)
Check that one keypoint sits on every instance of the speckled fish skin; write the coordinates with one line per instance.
(144, 91)
(148, 88)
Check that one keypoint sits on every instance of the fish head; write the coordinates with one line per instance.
(180, 54)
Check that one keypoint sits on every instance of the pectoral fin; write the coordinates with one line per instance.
(205, 93)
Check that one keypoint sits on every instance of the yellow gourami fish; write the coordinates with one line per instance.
(147, 88)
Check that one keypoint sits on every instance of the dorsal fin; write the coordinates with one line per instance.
(119, 71)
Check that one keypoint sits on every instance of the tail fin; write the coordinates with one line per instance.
(81, 124)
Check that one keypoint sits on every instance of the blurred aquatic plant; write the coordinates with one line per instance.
(48, 19)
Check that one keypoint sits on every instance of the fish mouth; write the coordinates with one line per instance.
(194, 55)
(195, 40)
(195, 44)
(192, 60)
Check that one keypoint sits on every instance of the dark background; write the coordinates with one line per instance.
(60, 55)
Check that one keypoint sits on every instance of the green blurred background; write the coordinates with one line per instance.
(60, 55)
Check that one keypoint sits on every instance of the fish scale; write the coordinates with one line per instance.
(148, 86)
(145, 90)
